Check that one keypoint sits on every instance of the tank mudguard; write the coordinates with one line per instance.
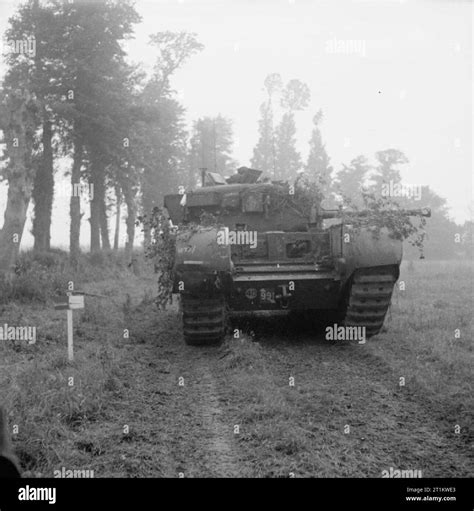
(201, 263)
(364, 247)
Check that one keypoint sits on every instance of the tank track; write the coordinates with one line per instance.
(369, 299)
(203, 320)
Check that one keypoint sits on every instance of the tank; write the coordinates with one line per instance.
(266, 254)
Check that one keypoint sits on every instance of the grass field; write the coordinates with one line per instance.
(410, 386)
(429, 337)
(120, 409)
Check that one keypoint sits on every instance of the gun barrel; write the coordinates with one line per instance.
(336, 213)
(418, 212)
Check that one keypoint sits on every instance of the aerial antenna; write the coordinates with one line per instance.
(203, 175)
(215, 146)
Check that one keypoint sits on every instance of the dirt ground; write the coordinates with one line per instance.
(345, 416)
(276, 401)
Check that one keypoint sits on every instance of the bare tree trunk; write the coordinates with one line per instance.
(19, 192)
(131, 216)
(75, 204)
(104, 226)
(118, 195)
(18, 124)
(43, 192)
(97, 180)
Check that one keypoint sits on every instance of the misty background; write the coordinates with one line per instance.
(386, 74)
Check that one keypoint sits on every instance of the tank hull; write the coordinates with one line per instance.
(344, 277)
(268, 254)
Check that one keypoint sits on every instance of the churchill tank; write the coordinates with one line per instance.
(272, 250)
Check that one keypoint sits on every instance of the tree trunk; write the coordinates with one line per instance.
(148, 202)
(19, 193)
(118, 195)
(146, 233)
(131, 214)
(97, 181)
(104, 227)
(43, 192)
(75, 204)
(18, 125)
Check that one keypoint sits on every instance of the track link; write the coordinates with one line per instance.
(203, 320)
(369, 299)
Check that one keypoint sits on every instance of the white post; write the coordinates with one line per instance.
(70, 349)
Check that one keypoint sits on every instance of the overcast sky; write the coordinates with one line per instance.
(406, 81)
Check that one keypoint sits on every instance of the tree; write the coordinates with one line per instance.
(273, 85)
(467, 241)
(37, 72)
(75, 200)
(174, 48)
(18, 122)
(99, 80)
(317, 165)
(439, 229)
(288, 159)
(295, 96)
(211, 146)
(118, 215)
(440, 238)
(163, 135)
(264, 156)
(386, 171)
(264, 152)
(351, 179)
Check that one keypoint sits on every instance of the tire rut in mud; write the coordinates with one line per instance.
(202, 435)
(177, 391)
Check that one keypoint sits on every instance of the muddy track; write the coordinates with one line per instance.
(176, 393)
(206, 446)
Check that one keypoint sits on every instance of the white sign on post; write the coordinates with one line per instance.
(76, 301)
(72, 300)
